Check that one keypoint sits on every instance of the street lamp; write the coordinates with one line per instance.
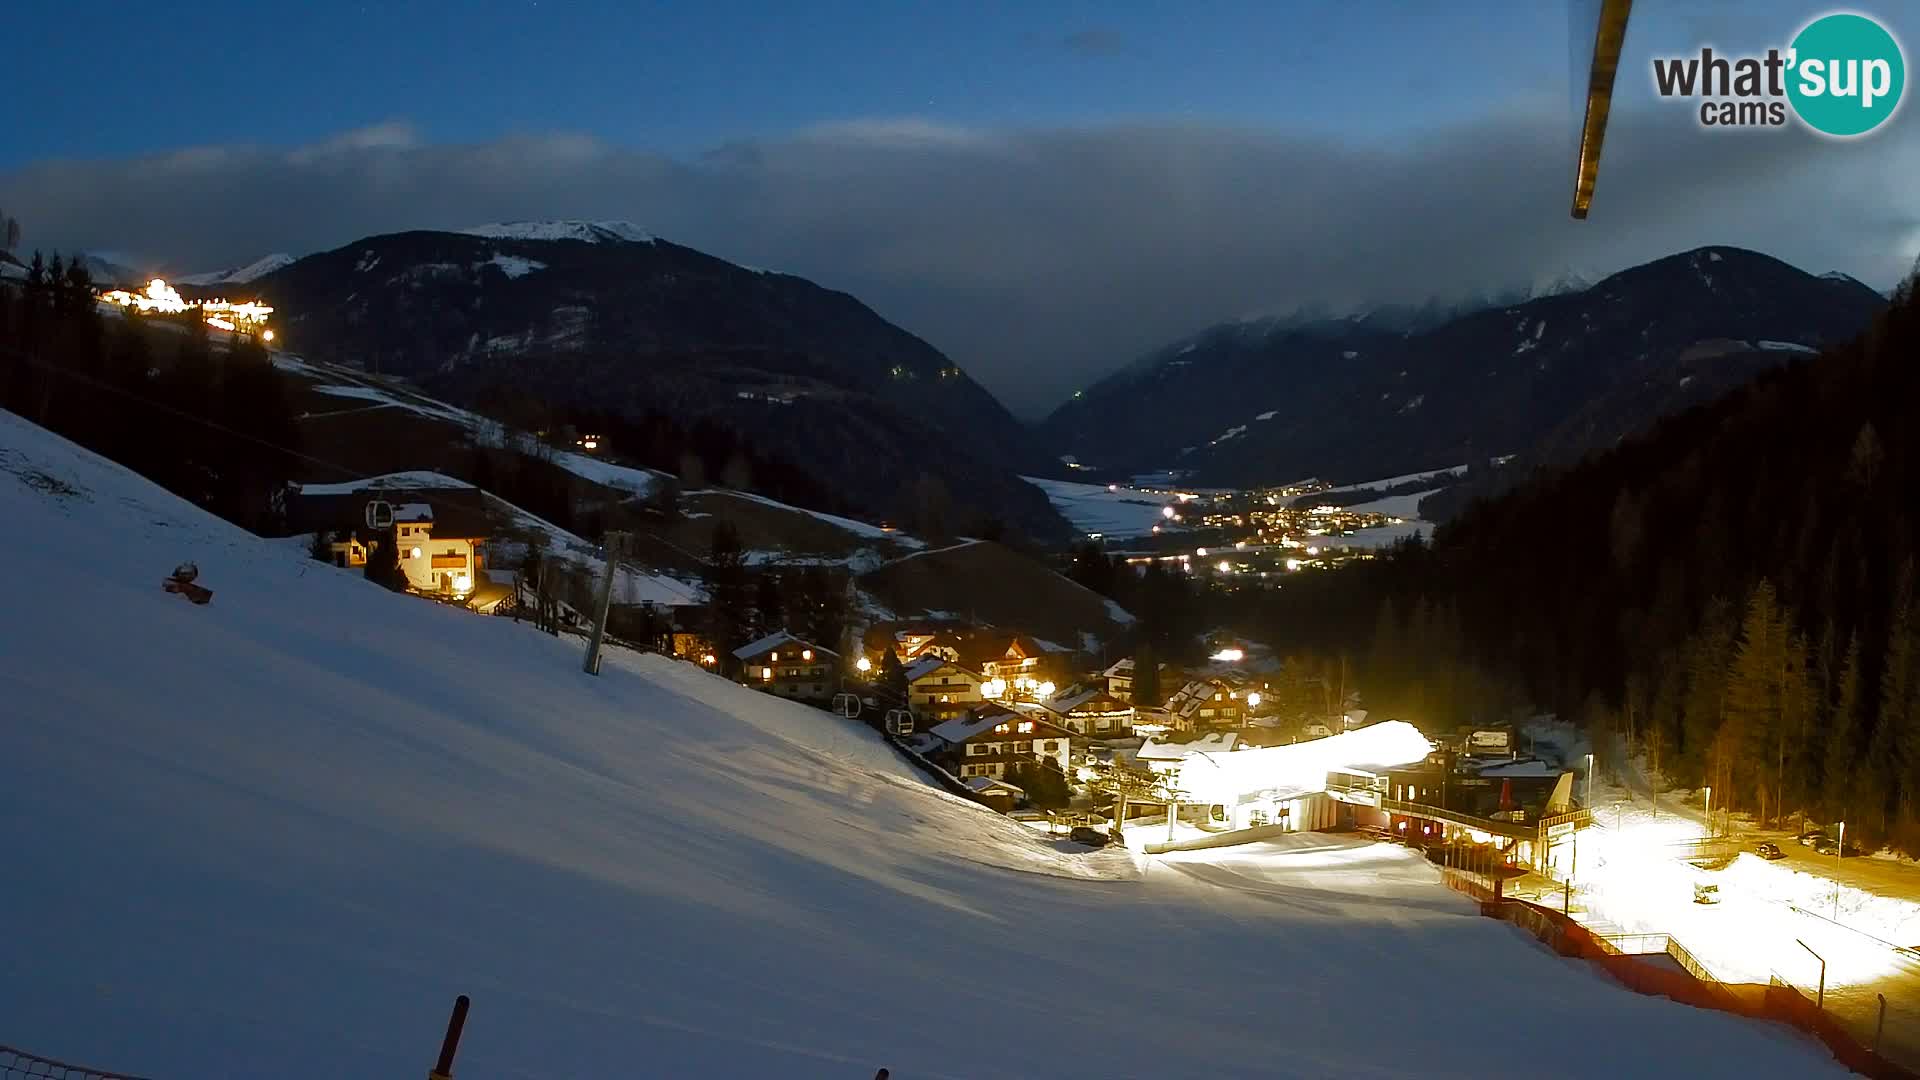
(863, 665)
(1709, 810)
(1589, 781)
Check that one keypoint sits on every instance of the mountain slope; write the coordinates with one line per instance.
(1351, 398)
(239, 275)
(276, 834)
(596, 315)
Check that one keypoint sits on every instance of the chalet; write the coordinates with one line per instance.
(991, 740)
(1028, 667)
(1212, 702)
(447, 564)
(1119, 679)
(940, 689)
(1094, 711)
(789, 667)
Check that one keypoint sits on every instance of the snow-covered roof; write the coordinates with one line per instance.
(1302, 766)
(592, 232)
(927, 665)
(1121, 669)
(1215, 742)
(774, 641)
(987, 783)
(413, 512)
(1074, 701)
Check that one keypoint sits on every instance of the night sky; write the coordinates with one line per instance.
(1042, 191)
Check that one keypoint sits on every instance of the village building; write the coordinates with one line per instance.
(1095, 712)
(789, 667)
(1207, 703)
(1027, 667)
(939, 689)
(447, 565)
(992, 740)
(1119, 679)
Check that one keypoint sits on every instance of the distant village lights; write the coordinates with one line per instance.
(162, 298)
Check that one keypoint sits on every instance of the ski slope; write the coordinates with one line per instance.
(274, 836)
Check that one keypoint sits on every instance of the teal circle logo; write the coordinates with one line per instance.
(1846, 75)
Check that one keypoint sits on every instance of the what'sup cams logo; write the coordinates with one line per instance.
(1842, 76)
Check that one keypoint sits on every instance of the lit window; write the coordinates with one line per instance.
(775, 658)
(806, 654)
(1026, 726)
(766, 674)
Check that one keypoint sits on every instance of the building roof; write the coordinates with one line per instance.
(1121, 669)
(960, 729)
(774, 641)
(1523, 769)
(1075, 700)
(413, 513)
(1218, 742)
(984, 784)
(927, 665)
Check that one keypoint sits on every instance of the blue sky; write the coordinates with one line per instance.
(1043, 191)
(684, 77)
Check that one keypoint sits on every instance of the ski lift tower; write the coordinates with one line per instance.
(1597, 30)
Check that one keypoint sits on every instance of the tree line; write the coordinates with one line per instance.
(1733, 591)
(207, 420)
(746, 602)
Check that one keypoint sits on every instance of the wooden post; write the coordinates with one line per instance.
(443, 1068)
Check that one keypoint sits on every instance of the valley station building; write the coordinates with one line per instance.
(1389, 776)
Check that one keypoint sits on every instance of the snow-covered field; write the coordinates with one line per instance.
(1092, 508)
(275, 835)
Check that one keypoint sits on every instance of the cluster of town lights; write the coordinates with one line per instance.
(163, 299)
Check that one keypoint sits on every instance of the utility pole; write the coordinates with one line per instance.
(615, 542)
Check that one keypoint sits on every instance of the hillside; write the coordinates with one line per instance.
(1351, 398)
(580, 317)
(276, 834)
(981, 580)
(1738, 585)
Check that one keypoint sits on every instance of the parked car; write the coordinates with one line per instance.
(1810, 837)
(1706, 894)
(1769, 850)
(1085, 834)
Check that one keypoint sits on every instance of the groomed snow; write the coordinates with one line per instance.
(275, 835)
(514, 266)
(857, 528)
(1400, 506)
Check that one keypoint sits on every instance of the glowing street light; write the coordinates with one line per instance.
(1253, 700)
(1167, 512)
(863, 665)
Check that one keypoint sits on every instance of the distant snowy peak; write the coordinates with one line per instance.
(592, 232)
(241, 275)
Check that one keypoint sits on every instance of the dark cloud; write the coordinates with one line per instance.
(1043, 259)
(1095, 42)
